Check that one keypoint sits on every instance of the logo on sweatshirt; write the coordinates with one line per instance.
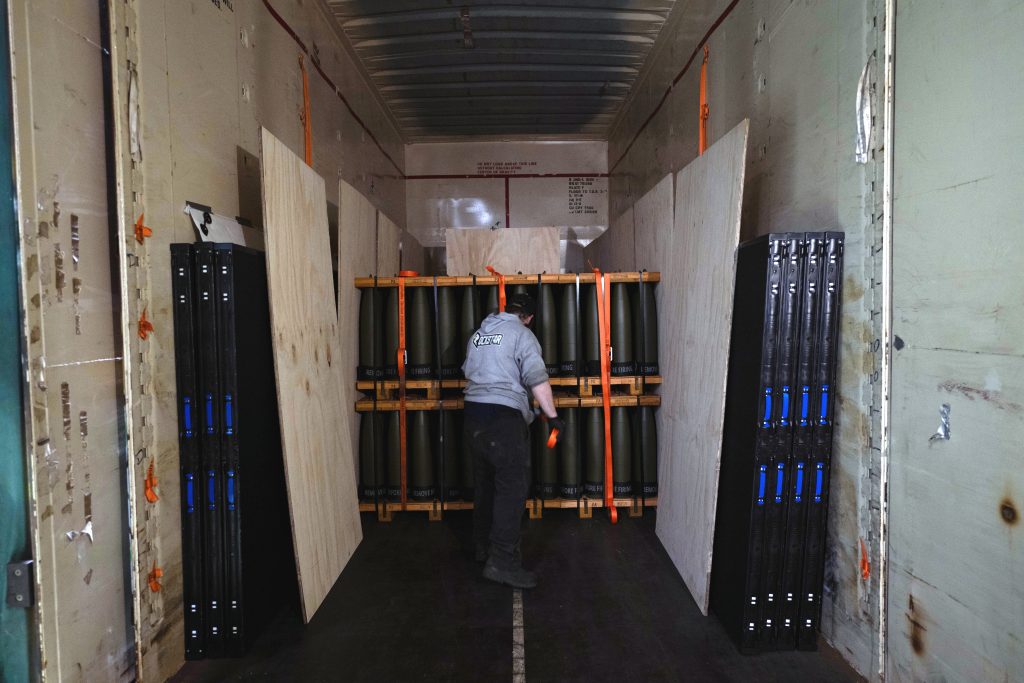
(486, 340)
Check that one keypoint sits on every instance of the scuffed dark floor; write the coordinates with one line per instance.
(411, 606)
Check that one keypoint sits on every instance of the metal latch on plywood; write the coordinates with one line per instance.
(19, 584)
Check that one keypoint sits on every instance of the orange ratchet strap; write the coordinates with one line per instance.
(401, 383)
(603, 315)
(702, 141)
(501, 288)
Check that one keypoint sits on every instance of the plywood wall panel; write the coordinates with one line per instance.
(318, 455)
(357, 257)
(696, 298)
(525, 250)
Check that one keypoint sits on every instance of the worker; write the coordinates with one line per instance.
(503, 368)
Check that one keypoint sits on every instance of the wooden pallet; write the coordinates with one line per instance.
(561, 401)
(585, 506)
(517, 279)
(635, 385)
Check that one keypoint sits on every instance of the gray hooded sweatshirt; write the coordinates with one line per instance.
(503, 360)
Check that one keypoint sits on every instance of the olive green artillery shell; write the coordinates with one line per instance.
(490, 305)
(622, 451)
(645, 451)
(394, 444)
(593, 450)
(545, 461)
(371, 334)
(419, 333)
(621, 337)
(591, 330)
(469, 321)
(421, 447)
(545, 327)
(391, 334)
(568, 454)
(372, 455)
(568, 332)
(645, 326)
(452, 348)
(452, 421)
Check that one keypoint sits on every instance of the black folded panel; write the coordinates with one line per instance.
(824, 373)
(258, 566)
(748, 439)
(212, 482)
(776, 501)
(190, 462)
(803, 429)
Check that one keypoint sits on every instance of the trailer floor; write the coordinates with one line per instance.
(411, 606)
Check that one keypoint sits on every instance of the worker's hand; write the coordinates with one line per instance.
(556, 423)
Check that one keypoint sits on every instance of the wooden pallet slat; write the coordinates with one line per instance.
(514, 279)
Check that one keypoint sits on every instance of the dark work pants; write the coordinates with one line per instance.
(498, 439)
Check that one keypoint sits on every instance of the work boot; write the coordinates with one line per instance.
(516, 577)
(480, 555)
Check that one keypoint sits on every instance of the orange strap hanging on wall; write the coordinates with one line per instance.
(307, 124)
(402, 413)
(501, 287)
(702, 142)
(603, 318)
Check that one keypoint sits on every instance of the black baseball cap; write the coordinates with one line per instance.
(523, 302)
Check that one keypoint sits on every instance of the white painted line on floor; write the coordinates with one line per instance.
(518, 639)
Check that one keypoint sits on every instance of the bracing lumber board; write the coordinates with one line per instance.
(308, 365)
(697, 288)
(357, 256)
(513, 250)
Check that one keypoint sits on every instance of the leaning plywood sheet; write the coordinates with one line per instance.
(357, 257)
(515, 250)
(615, 249)
(696, 296)
(389, 241)
(308, 364)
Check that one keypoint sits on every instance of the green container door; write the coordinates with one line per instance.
(568, 332)
(15, 645)
(569, 454)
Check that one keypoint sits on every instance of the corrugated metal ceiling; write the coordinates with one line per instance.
(502, 68)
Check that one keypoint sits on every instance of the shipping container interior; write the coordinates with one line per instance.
(353, 140)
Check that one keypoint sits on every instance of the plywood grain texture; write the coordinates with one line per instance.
(955, 595)
(515, 250)
(77, 460)
(389, 246)
(357, 256)
(308, 365)
(696, 296)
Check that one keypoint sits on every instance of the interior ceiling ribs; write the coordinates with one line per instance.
(492, 68)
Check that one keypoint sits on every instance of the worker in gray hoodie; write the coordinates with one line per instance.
(503, 368)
